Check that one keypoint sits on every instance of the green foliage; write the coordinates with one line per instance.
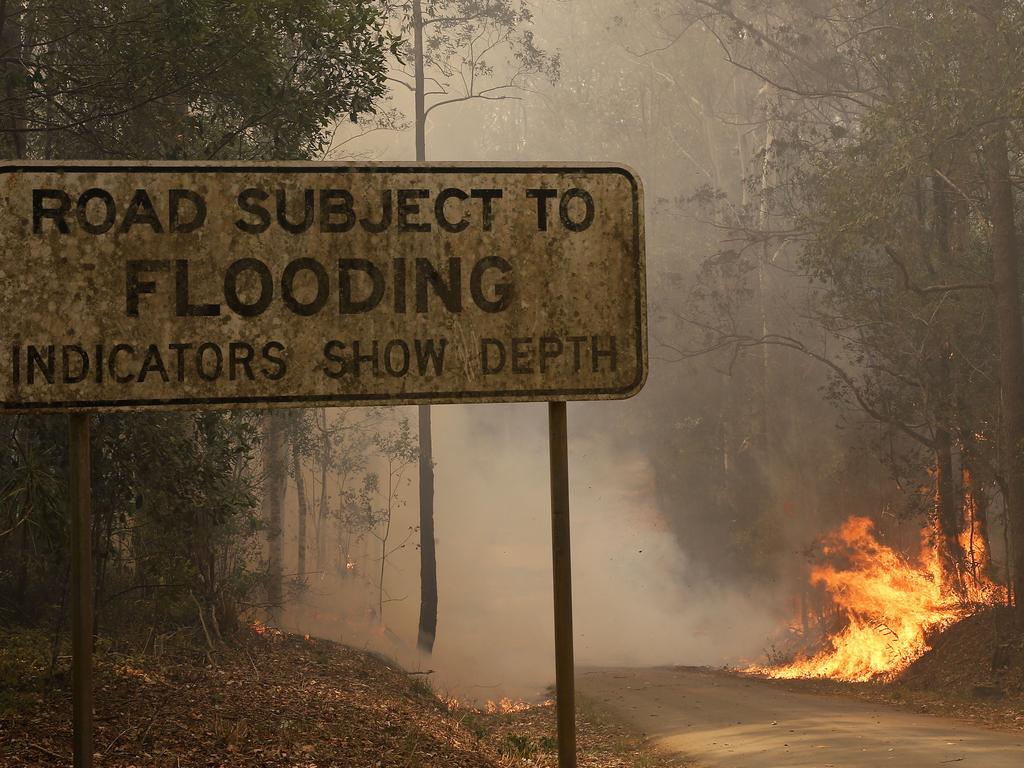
(197, 79)
(518, 747)
(175, 521)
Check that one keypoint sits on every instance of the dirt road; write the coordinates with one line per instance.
(721, 721)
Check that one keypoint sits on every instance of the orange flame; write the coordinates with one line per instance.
(890, 604)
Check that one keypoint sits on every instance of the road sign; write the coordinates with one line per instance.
(163, 285)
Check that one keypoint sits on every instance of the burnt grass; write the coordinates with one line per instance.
(276, 700)
(974, 671)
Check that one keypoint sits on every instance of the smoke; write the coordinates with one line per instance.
(635, 601)
(639, 599)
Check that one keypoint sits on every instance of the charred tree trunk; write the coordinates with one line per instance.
(322, 512)
(275, 473)
(303, 504)
(1011, 343)
(428, 552)
(1006, 285)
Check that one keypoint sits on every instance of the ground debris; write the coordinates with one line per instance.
(280, 701)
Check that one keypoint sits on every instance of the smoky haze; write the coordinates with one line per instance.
(636, 600)
(665, 571)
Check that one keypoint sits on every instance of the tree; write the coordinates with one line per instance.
(198, 79)
(454, 47)
(905, 224)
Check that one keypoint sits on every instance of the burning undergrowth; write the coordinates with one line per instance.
(887, 605)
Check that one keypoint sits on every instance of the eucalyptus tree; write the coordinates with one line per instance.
(900, 125)
(457, 51)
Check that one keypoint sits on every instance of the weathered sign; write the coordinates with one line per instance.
(182, 285)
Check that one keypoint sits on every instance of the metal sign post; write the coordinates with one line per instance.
(163, 286)
(561, 560)
(81, 588)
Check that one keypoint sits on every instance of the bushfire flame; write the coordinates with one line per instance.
(891, 604)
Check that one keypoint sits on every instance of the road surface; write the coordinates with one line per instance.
(724, 721)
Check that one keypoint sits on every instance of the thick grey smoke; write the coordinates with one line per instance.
(635, 603)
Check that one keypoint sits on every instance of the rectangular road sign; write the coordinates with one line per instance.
(172, 285)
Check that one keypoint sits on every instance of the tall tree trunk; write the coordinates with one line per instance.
(428, 552)
(420, 78)
(1006, 282)
(303, 504)
(321, 518)
(1006, 285)
(275, 473)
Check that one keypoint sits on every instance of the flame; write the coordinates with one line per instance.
(264, 630)
(890, 604)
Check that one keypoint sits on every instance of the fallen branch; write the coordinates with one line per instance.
(45, 751)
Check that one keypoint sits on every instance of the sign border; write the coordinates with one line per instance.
(365, 399)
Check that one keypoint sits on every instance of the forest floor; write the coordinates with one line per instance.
(271, 699)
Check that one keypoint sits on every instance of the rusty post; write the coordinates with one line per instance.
(81, 588)
(565, 682)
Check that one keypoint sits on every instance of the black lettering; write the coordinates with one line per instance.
(521, 357)
(179, 360)
(596, 353)
(550, 348)
(36, 362)
(282, 211)
(333, 352)
(450, 293)
(485, 360)
(266, 295)
(407, 208)
(116, 351)
(240, 354)
(153, 362)
(135, 287)
(288, 287)
(403, 361)
(247, 202)
(588, 216)
(439, 212)
(183, 301)
(577, 342)
(280, 366)
(141, 211)
(83, 364)
(502, 289)
(348, 305)
(177, 197)
(488, 196)
(373, 358)
(109, 211)
(336, 202)
(218, 359)
(430, 354)
(376, 227)
(57, 213)
(16, 364)
(543, 197)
